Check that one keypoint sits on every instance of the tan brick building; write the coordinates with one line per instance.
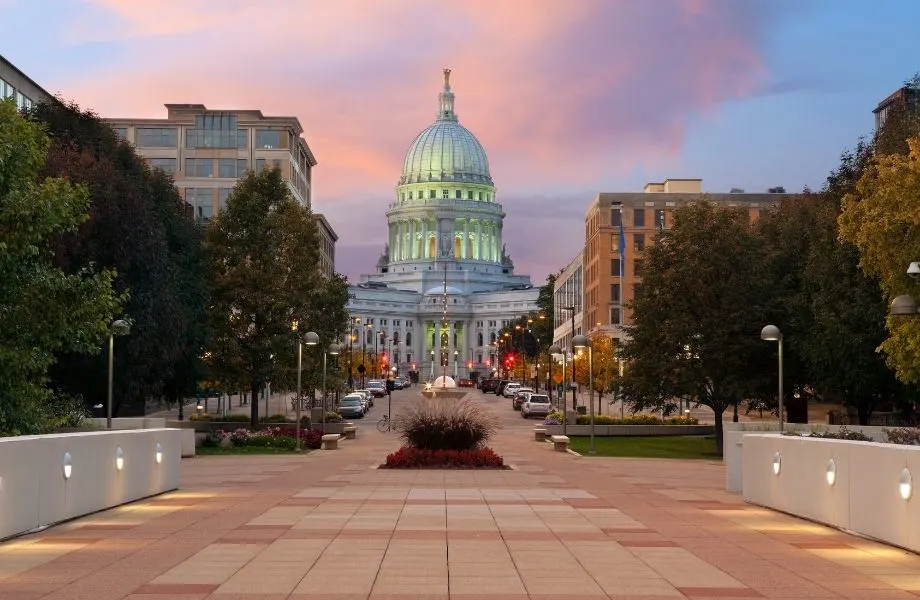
(208, 150)
(642, 214)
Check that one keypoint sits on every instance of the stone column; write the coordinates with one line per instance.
(397, 247)
(413, 245)
(424, 251)
(465, 247)
(392, 242)
(479, 239)
(499, 245)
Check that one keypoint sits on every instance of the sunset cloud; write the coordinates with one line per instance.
(565, 96)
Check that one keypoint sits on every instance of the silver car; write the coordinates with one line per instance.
(536, 405)
(352, 406)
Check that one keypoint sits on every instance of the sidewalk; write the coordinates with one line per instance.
(557, 527)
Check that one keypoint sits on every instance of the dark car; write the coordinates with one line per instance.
(500, 390)
(488, 385)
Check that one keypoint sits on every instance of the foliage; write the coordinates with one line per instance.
(267, 288)
(333, 417)
(139, 228)
(698, 314)
(635, 420)
(45, 310)
(555, 417)
(882, 218)
(409, 457)
(278, 418)
(841, 434)
(905, 436)
(446, 425)
(606, 368)
(275, 437)
(230, 418)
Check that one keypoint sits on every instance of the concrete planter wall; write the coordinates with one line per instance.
(34, 491)
(733, 439)
(131, 422)
(632, 430)
(864, 495)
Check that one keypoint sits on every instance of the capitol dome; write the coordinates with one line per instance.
(446, 150)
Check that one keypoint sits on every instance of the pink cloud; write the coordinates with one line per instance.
(563, 95)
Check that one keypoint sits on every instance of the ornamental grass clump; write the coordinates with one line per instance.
(442, 424)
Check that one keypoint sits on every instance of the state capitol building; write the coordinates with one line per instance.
(444, 285)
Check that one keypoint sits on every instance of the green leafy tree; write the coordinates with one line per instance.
(698, 314)
(140, 228)
(264, 253)
(45, 310)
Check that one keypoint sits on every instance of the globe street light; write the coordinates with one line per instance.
(310, 339)
(118, 327)
(581, 342)
(333, 350)
(554, 351)
(771, 333)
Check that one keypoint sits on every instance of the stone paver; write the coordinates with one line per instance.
(556, 527)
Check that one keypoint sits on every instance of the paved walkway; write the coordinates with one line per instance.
(557, 527)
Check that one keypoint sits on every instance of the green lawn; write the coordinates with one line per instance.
(211, 451)
(697, 446)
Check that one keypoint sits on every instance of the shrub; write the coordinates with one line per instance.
(904, 436)
(635, 420)
(333, 417)
(311, 439)
(446, 424)
(278, 418)
(408, 457)
(212, 439)
(842, 434)
(265, 438)
(236, 418)
(555, 417)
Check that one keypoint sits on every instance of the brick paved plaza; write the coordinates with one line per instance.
(330, 526)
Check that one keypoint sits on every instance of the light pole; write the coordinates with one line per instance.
(456, 353)
(571, 310)
(367, 328)
(431, 377)
(580, 341)
(771, 333)
(554, 351)
(118, 327)
(334, 350)
(310, 339)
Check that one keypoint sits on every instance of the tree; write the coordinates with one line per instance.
(881, 217)
(264, 254)
(44, 310)
(698, 314)
(606, 368)
(140, 228)
(776, 190)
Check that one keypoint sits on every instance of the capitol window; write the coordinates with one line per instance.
(445, 194)
(410, 195)
(458, 194)
(432, 194)
(480, 196)
(469, 195)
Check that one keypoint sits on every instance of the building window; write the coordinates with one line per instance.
(167, 165)
(615, 216)
(215, 130)
(222, 195)
(231, 167)
(615, 267)
(6, 90)
(659, 219)
(408, 339)
(432, 193)
(458, 194)
(272, 163)
(121, 132)
(615, 293)
(639, 217)
(480, 196)
(492, 338)
(639, 242)
(157, 137)
(615, 315)
(469, 195)
(199, 167)
(202, 202)
(637, 267)
(479, 339)
(271, 139)
(410, 195)
(445, 194)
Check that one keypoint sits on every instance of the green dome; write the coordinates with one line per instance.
(446, 150)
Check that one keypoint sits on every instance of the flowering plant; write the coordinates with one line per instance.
(408, 457)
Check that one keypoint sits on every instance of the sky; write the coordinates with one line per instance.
(569, 97)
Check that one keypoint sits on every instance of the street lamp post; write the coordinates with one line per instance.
(571, 310)
(771, 333)
(431, 377)
(334, 350)
(554, 351)
(118, 327)
(310, 339)
(456, 353)
(580, 341)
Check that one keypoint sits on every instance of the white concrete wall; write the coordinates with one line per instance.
(864, 498)
(733, 441)
(34, 491)
(131, 422)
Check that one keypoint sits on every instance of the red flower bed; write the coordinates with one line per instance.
(408, 457)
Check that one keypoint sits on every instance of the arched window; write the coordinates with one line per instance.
(492, 338)
(395, 337)
(480, 340)
(432, 340)
(369, 338)
(408, 339)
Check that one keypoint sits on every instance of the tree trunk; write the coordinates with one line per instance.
(254, 405)
(734, 413)
(863, 412)
(719, 429)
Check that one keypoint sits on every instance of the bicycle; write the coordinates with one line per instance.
(385, 424)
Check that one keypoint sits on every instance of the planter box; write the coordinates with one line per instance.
(632, 430)
(864, 496)
(35, 492)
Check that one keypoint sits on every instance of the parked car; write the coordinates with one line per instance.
(402, 383)
(377, 388)
(368, 397)
(500, 390)
(467, 383)
(537, 405)
(488, 385)
(511, 390)
(351, 406)
(520, 397)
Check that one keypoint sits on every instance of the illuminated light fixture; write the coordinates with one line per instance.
(67, 463)
(777, 462)
(907, 484)
(831, 473)
(158, 455)
(119, 458)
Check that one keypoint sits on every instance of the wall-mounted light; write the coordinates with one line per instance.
(831, 473)
(907, 484)
(158, 454)
(119, 458)
(67, 464)
(777, 463)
